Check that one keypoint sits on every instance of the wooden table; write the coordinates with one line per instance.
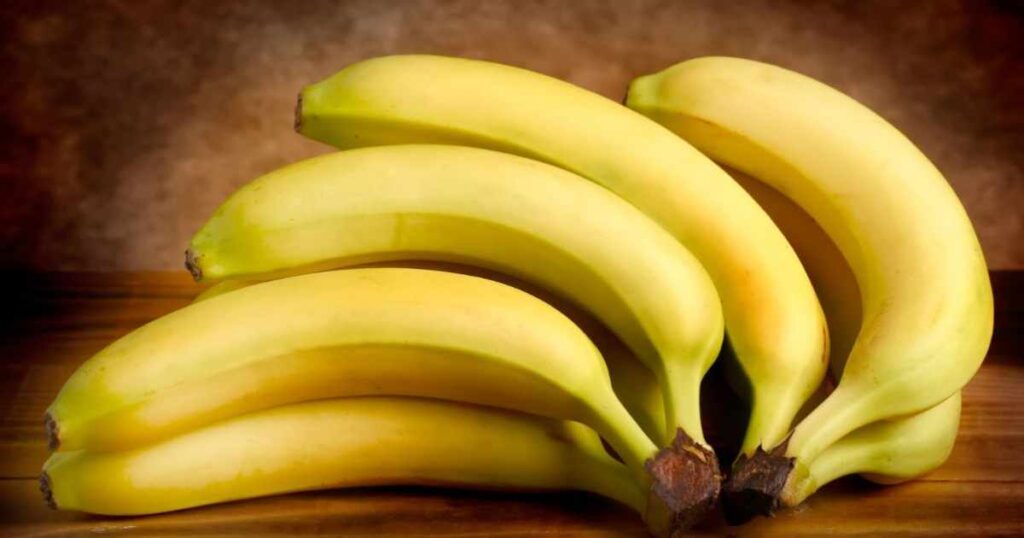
(53, 322)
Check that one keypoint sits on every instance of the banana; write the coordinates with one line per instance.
(833, 280)
(632, 381)
(502, 212)
(925, 293)
(379, 331)
(385, 441)
(887, 452)
(772, 318)
(634, 384)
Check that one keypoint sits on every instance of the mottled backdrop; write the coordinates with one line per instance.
(124, 123)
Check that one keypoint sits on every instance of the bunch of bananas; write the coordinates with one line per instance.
(298, 370)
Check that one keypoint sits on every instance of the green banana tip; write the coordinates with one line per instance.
(192, 264)
(686, 480)
(755, 486)
(44, 487)
(298, 114)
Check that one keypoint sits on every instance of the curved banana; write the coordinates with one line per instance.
(925, 292)
(887, 451)
(379, 331)
(633, 382)
(502, 212)
(772, 318)
(385, 441)
(363, 331)
(833, 280)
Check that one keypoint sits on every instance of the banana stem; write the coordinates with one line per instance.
(682, 479)
(681, 394)
(771, 416)
(837, 416)
(800, 485)
(831, 464)
(766, 472)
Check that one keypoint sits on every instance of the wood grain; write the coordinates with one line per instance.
(56, 321)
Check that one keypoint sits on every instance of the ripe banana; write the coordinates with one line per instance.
(887, 451)
(376, 331)
(833, 280)
(773, 321)
(633, 382)
(358, 332)
(453, 203)
(383, 441)
(925, 292)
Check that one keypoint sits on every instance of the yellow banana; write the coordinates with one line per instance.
(486, 208)
(925, 293)
(772, 318)
(633, 382)
(345, 442)
(363, 331)
(833, 280)
(376, 331)
(887, 451)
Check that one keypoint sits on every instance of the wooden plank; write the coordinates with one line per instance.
(935, 508)
(63, 319)
(847, 509)
(362, 512)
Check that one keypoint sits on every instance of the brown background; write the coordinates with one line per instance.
(123, 124)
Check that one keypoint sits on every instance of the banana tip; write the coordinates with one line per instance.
(756, 484)
(52, 432)
(192, 264)
(44, 487)
(298, 114)
(686, 480)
